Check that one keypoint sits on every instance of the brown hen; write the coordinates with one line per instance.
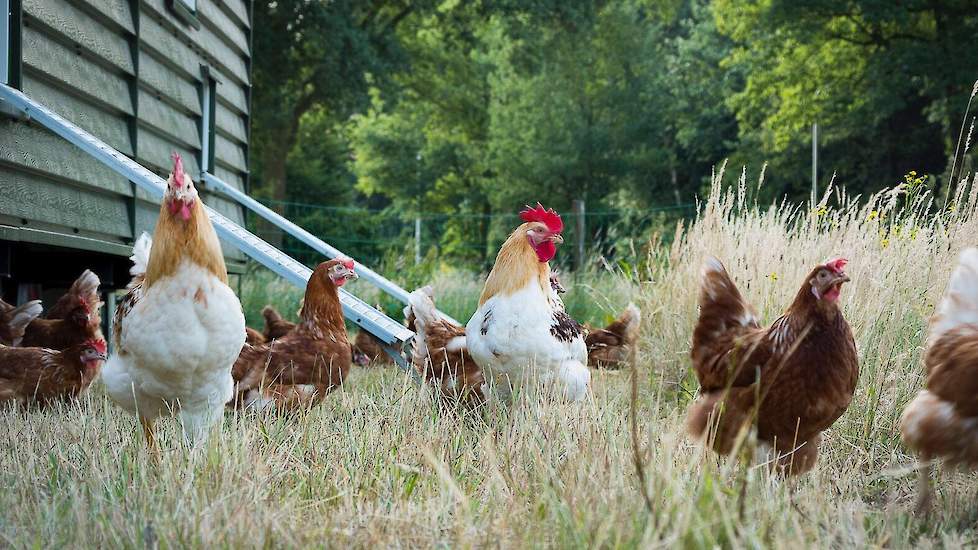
(39, 375)
(791, 380)
(440, 353)
(299, 369)
(942, 421)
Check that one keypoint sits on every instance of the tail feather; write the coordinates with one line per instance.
(270, 314)
(721, 305)
(20, 317)
(140, 259)
(630, 320)
(959, 307)
(423, 307)
(85, 289)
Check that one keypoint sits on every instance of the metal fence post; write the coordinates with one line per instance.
(581, 230)
(417, 240)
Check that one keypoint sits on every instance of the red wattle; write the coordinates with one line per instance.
(545, 251)
(185, 212)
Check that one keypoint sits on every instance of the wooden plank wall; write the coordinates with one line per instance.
(131, 72)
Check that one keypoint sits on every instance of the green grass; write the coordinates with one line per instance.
(381, 463)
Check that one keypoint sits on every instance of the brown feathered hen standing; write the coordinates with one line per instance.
(942, 421)
(440, 353)
(74, 318)
(792, 380)
(299, 369)
(39, 375)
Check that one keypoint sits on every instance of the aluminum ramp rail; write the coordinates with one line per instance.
(314, 242)
(393, 334)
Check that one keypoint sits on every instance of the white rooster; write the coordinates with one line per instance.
(180, 327)
(520, 331)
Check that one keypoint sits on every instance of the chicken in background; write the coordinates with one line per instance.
(180, 327)
(368, 350)
(275, 325)
(40, 375)
(613, 346)
(83, 290)
(941, 423)
(253, 337)
(610, 347)
(440, 353)
(792, 380)
(299, 369)
(520, 330)
(14, 321)
(74, 319)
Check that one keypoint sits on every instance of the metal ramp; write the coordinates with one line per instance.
(393, 334)
(314, 242)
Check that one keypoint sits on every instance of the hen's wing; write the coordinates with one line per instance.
(728, 343)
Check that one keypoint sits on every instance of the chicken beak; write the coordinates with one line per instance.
(556, 238)
(352, 275)
(102, 356)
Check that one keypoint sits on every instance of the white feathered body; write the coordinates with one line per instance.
(175, 346)
(527, 335)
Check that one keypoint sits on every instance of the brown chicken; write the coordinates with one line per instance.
(83, 290)
(299, 369)
(440, 354)
(791, 380)
(81, 321)
(39, 375)
(253, 337)
(275, 325)
(14, 321)
(942, 421)
(611, 347)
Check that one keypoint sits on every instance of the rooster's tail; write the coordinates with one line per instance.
(959, 306)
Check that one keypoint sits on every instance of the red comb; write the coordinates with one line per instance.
(837, 265)
(177, 169)
(348, 263)
(98, 344)
(546, 216)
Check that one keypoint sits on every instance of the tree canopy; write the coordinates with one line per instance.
(468, 110)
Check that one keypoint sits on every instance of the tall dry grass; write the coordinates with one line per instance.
(383, 463)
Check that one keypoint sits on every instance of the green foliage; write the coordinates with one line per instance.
(461, 112)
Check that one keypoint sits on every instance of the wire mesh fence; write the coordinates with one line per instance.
(375, 235)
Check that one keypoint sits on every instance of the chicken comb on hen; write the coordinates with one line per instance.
(837, 264)
(97, 344)
(178, 172)
(546, 216)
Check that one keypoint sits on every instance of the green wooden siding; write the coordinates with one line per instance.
(141, 94)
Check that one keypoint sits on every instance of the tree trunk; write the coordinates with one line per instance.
(275, 169)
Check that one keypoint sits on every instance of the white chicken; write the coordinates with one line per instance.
(180, 328)
(520, 332)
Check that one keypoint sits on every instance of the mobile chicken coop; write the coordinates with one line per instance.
(94, 97)
(147, 77)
